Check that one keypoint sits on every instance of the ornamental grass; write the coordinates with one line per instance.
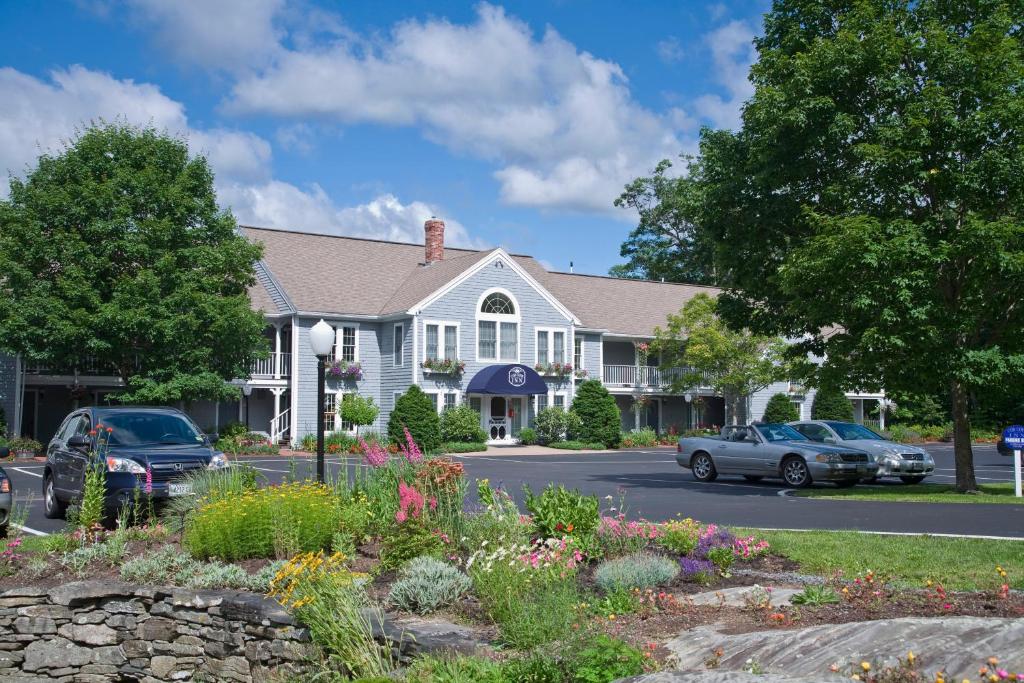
(274, 522)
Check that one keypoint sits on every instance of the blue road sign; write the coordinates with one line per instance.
(1014, 437)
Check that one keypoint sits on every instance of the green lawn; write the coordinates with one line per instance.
(956, 563)
(919, 493)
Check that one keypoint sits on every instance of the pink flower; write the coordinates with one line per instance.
(410, 502)
(375, 456)
(433, 503)
(149, 479)
(400, 516)
(410, 450)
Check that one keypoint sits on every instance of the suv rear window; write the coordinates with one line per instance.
(150, 429)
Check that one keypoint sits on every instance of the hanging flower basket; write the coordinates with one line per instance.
(343, 370)
(581, 373)
(560, 370)
(444, 366)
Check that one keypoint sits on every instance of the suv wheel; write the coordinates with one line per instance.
(52, 507)
(794, 471)
(703, 468)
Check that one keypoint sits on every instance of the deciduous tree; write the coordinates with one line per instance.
(115, 249)
(873, 198)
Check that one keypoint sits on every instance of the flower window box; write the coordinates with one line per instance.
(346, 371)
(444, 366)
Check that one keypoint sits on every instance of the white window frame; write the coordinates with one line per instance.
(395, 395)
(577, 338)
(549, 332)
(339, 336)
(441, 324)
(497, 319)
(439, 393)
(564, 396)
(339, 396)
(397, 345)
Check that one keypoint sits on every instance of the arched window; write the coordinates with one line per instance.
(498, 304)
(497, 327)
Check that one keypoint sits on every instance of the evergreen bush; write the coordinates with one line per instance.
(780, 409)
(600, 420)
(415, 410)
(831, 404)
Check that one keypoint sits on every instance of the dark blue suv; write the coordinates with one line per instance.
(147, 452)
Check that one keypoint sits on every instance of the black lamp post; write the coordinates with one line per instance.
(321, 339)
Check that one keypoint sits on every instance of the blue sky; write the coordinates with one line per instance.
(518, 123)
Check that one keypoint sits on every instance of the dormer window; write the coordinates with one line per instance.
(497, 328)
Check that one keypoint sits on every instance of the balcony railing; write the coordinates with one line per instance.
(274, 366)
(646, 376)
(86, 365)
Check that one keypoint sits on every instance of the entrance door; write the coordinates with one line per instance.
(498, 428)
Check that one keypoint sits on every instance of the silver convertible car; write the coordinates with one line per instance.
(773, 450)
(910, 463)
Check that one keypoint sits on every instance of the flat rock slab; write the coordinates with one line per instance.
(717, 676)
(739, 596)
(958, 644)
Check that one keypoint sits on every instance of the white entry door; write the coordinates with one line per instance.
(498, 425)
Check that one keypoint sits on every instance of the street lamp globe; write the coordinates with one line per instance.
(321, 339)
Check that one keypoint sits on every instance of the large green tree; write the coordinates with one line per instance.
(701, 350)
(873, 198)
(666, 244)
(115, 249)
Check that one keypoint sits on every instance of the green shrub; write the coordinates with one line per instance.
(577, 446)
(679, 536)
(334, 442)
(780, 409)
(600, 420)
(462, 447)
(425, 584)
(22, 443)
(233, 429)
(555, 424)
(831, 404)
(415, 411)
(527, 436)
(359, 410)
(537, 667)
(458, 669)
(406, 541)
(639, 438)
(559, 512)
(461, 424)
(277, 521)
(640, 570)
(606, 659)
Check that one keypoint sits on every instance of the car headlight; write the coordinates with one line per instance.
(828, 457)
(124, 465)
(218, 461)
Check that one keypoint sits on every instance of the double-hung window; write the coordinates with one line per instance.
(345, 343)
(441, 341)
(577, 352)
(497, 328)
(330, 411)
(550, 346)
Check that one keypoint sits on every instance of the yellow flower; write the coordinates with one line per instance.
(866, 666)
(911, 657)
(855, 677)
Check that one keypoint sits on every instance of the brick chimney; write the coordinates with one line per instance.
(434, 230)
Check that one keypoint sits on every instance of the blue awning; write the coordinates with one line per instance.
(507, 380)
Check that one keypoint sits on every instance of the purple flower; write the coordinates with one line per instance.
(693, 567)
(714, 537)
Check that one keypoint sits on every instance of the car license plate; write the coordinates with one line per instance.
(179, 489)
(916, 467)
(861, 469)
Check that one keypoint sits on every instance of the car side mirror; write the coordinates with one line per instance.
(213, 438)
(79, 442)
(5, 452)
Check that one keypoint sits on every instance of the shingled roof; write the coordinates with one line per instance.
(317, 273)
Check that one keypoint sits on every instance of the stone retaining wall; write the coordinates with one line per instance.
(109, 631)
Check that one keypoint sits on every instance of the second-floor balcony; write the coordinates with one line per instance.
(648, 377)
(274, 366)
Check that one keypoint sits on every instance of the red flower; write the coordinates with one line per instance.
(92, 432)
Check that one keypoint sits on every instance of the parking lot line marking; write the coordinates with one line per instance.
(28, 530)
(267, 469)
(24, 471)
(900, 533)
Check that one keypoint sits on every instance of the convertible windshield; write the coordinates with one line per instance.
(150, 429)
(848, 431)
(779, 432)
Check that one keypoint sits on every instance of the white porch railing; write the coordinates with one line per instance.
(645, 376)
(280, 426)
(274, 366)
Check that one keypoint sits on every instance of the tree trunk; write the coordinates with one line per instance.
(963, 455)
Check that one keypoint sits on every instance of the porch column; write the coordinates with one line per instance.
(881, 414)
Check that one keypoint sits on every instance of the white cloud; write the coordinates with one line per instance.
(39, 114)
(732, 53)
(669, 50)
(560, 123)
(232, 34)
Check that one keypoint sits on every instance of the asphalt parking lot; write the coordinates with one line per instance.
(656, 488)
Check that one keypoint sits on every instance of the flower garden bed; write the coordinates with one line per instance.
(567, 592)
